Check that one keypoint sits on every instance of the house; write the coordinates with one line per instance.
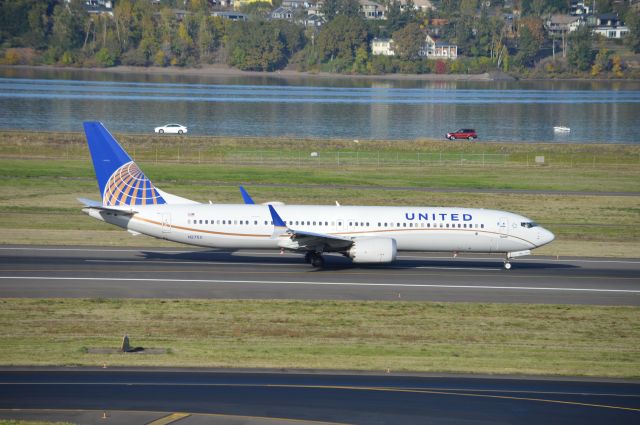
(431, 49)
(232, 16)
(382, 46)
(562, 24)
(580, 8)
(313, 21)
(371, 10)
(422, 5)
(237, 4)
(282, 12)
(295, 4)
(609, 25)
(437, 49)
(612, 32)
(98, 7)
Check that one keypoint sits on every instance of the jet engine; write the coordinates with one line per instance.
(373, 250)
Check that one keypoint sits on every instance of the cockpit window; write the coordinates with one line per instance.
(528, 224)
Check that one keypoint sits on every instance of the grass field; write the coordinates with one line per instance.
(37, 195)
(399, 336)
(42, 174)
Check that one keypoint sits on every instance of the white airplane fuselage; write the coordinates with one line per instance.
(236, 226)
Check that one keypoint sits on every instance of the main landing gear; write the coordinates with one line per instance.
(507, 265)
(314, 258)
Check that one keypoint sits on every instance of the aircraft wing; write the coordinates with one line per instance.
(96, 205)
(307, 241)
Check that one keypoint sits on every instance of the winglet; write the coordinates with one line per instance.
(245, 196)
(277, 221)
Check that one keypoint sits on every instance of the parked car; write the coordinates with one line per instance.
(463, 133)
(171, 128)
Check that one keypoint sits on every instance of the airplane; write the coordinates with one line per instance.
(365, 234)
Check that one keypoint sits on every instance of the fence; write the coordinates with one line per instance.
(375, 159)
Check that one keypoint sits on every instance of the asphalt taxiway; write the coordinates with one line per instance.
(204, 396)
(49, 271)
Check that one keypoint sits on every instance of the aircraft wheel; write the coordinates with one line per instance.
(507, 265)
(317, 260)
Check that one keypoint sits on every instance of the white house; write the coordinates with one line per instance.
(611, 32)
(382, 46)
(436, 49)
(371, 9)
(431, 49)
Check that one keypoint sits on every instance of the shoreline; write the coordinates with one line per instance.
(219, 70)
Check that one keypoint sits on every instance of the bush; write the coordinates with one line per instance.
(135, 58)
(105, 57)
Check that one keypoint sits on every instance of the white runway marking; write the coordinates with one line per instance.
(272, 253)
(284, 282)
(251, 263)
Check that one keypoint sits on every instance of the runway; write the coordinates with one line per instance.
(338, 398)
(90, 272)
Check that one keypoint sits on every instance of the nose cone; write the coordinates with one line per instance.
(545, 237)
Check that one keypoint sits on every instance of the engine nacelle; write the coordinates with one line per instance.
(373, 250)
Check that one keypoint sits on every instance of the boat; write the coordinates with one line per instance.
(561, 129)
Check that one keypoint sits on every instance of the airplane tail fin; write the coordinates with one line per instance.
(121, 181)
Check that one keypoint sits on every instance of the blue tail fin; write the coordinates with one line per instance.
(121, 181)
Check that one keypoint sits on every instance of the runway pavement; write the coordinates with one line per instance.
(130, 396)
(30, 271)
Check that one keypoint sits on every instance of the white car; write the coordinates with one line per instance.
(171, 128)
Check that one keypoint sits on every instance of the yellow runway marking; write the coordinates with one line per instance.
(173, 417)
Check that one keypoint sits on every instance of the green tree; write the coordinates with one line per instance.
(360, 63)
(333, 8)
(408, 41)
(530, 38)
(291, 36)
(397, 17)
(69, 23)
(632, 39)
(105, 57)
(256, 46)
(341, 37)
(580, 54)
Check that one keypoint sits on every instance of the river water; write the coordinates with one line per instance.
(596, 112)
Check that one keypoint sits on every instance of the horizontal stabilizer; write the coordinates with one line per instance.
(95, 205)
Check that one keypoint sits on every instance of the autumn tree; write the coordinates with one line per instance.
(408, 41)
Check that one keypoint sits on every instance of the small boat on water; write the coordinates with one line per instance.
(561, 129)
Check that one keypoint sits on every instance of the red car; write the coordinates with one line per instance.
(463, 133)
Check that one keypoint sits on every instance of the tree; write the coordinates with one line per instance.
(602, 61)
(580, 55)
(632, 39)
(341, 37)
(333, 8)
(398, 18)
(408, 41)
(530, 39)
(256, 46)
(69, 25)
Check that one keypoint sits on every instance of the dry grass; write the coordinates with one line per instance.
(401, 336)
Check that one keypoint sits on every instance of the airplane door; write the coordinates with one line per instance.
(166, 222)
(503, 227)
